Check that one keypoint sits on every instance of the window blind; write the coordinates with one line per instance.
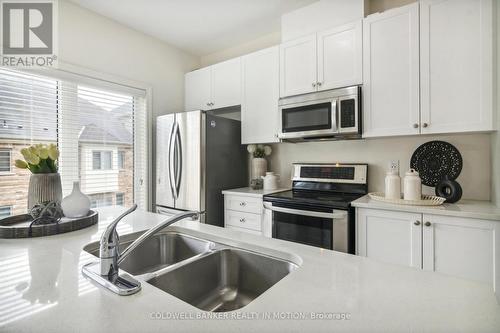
(100, 130)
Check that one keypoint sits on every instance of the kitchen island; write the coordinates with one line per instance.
(42, 289)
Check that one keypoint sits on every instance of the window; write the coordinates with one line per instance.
(120, 199)
(5, 160)
(89, 120)
(101, 200)
(102, 160)
(5, 211)
(121, 159)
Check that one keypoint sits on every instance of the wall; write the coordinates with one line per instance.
(495, 138)
(373, 6)
(95, 42)
(242, 49)
(475, 150)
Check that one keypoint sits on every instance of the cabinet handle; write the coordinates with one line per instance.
(416, 223)
(242, 220)
(208, 104)
(314, 85)
(415, 125)
(427, 224)
(424, 125)
(243, 204)
(319, 84)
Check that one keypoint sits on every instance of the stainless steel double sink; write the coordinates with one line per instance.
(208, 275)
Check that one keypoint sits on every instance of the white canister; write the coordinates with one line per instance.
(270, 181)
(412, 185)
(392, 185)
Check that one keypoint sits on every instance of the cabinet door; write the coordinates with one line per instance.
(460, 247)
(226, 84)
(197, 90)
(298, 66)
(391, 72)
(259, 98)
(340, 57)
(456, 65)
(388, 236)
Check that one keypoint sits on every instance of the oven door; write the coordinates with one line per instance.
(308, 119)
(323, 228)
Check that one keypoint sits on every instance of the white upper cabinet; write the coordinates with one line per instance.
(197, 89)
(326, 60)
(340, 56)
(391, 72)
(456, 65)
(213, 87)
(226, 83)
(259, 98)
(298, 66)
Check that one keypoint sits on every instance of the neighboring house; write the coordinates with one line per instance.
(98, 151)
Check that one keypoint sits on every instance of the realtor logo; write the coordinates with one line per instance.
(28, 31)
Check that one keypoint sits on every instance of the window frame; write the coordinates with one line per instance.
(9, 172)
(82, 75)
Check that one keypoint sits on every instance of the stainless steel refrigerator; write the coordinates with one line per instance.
(198, 154)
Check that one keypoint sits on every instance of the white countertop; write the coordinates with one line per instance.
(249, 192)
(42, 289)
(464, 208)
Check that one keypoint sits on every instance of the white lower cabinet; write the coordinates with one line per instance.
(392, 237)
(243, 213)
(461, 247)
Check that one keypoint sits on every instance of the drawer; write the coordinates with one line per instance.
(243, 204)
(243, 220)
(253, 232)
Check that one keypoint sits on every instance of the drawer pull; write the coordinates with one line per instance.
(416, 223)
(242, 220)
(427, 224)
(243, 204)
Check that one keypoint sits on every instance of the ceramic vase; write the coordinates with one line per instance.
(259, 167)
(44, 187)
(76, 204)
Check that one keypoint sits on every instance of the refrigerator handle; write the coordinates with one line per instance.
(171, 164)
(178, 171)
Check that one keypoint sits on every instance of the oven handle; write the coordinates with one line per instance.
(335, 215)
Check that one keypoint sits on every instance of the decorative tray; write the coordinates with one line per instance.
(427, 200)
(21, 226)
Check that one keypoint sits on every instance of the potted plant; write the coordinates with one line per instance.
(259, 162)
(45, 181)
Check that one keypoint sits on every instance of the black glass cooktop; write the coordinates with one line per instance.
(333, 200)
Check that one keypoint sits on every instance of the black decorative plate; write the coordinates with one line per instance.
(435, 159)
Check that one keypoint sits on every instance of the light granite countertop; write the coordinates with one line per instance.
(476, 209)
(42, 290)
(249, 192)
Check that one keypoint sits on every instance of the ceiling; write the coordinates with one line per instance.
(199, 27)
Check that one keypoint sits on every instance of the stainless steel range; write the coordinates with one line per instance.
(317, 211)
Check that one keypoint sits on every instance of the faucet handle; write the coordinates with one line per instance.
(109, 238)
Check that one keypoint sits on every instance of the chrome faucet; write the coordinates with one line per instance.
(105, 272)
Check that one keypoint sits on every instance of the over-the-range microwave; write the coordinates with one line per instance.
(328, 115)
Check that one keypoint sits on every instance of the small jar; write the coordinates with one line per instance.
(412, 185)
(392, 185)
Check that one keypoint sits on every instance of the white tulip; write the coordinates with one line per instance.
(251, 148)
(268, 150)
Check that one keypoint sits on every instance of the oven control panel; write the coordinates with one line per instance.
(331, 173)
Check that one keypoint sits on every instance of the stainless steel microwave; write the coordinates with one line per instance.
(332, 114)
